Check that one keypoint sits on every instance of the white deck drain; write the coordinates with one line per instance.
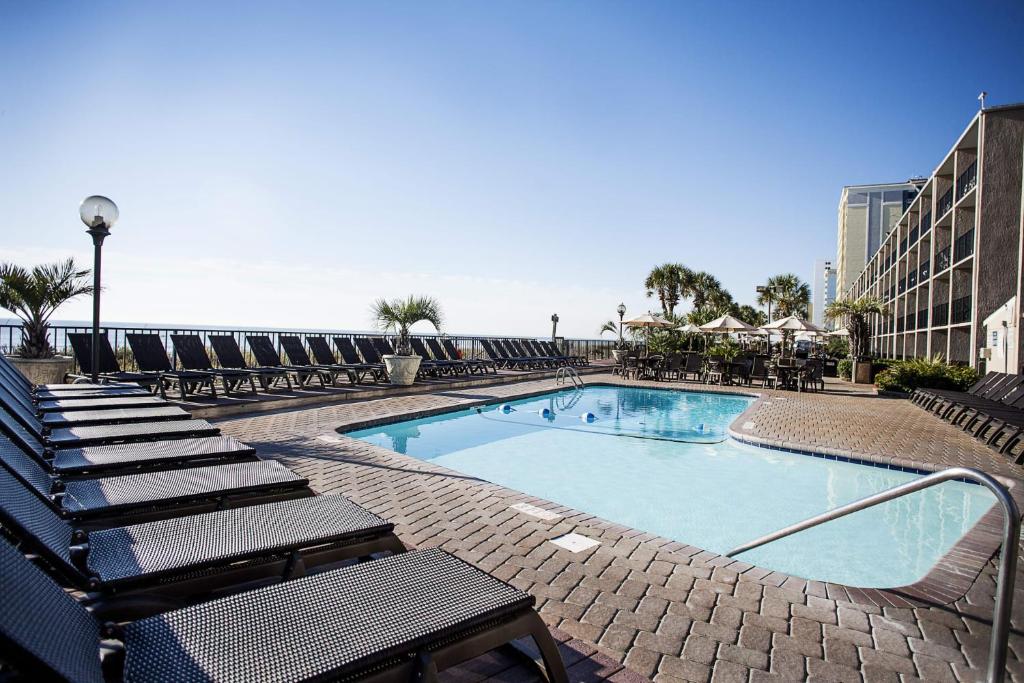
(749, 424)
(575, 543)
(534, 511)
(327, 438)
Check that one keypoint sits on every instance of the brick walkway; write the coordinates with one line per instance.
(663, 609)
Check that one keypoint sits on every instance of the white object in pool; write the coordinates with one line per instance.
(505, 408)
(575, 543)
(534, 511)
(588, 417)
(544, 412)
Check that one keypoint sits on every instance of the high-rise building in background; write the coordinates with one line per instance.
(867, 214)
(823, 291)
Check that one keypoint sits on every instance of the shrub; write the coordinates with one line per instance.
(931, 373)
(844, 368)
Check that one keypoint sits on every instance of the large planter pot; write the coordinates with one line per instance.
(402, 369)
(619, 354)
(43, 370)
(863, 371)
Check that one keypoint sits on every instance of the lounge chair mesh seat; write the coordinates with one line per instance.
(66, 405)
(91, 392)
(114, 415)
(82, 436)
(365, 615)
(110, 493)
(72, 460)
(165, 546)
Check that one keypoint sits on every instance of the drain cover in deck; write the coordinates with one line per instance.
(575, 543)
(534, 511)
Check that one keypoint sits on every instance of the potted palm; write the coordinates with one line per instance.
(33, 296)
(621, 348)
(397, 316)
(855, 313)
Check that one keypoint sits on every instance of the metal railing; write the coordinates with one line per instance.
(963, 246)
(945, 203)
(961, 310)
(468, 345)
(940, 314)
(1007, 560)
(567, 373)
(967, 180)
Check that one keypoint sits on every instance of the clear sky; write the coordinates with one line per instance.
(284, 164)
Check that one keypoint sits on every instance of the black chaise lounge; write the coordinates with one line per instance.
(324, 356)
(230, 356)
(109, 369)
(298, 357)
(142, 399)
(157, 494)
(83, 418)
(427, 366)
(369, 351)
(447, 351)
(351, 357)
(401, 618)
(440, 363)
(192, 354)
(138, 569)
(151, 356)
(89, 461)
(267, 356)
(76, 390)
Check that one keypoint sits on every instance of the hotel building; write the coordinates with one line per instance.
(823, 292)
(949, 273)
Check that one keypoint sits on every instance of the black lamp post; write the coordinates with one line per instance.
(99, 214)
(554, 326)
(621, 310)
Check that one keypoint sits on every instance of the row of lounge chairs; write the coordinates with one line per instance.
(992, 409)
(360, 362)
(134, 549)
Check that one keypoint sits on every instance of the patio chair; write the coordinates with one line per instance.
(14, 376)
(516, 347)
(810, 376)
(30, 402)
(323, 355)
(498, 357)
(192, 353)
(133, 570)
(120, 498)
(427, 366)
(351, 357)
(925, 396)
(443, 364)
(536, 350)
(447, 351)
(693, 365)
(369, 351)
(298, 357)
(267, 356)
(401, 618)
(109, 369)
(952, 404)
(229, 354)
(552, 350)
(151, 356)
(102, 459)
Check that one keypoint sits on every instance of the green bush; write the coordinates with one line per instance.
(845, 368)
(931, 373)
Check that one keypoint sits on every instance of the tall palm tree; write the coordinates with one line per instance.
(788, 294)
(34, 295)
(854, 313)
(669, 282)
(705, 287)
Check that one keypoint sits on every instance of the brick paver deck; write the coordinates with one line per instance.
(663, 609)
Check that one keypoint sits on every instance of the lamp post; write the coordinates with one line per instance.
(554, 326)
(99, 214)
(761, 289)
(621, 310)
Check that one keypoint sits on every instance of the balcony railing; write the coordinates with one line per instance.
(915, 231)
(923, 271)
(940, 314)
(961, 312)
(942, 260)
(912, 279)
(963, 246)
(967, 180)
(945, 203)
(903, 246)
(926, 224)
(903, 285)
(922, 319)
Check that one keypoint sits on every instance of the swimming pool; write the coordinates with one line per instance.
(660, 461)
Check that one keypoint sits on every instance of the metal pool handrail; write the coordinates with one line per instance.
(1007, 560)
(568, 373)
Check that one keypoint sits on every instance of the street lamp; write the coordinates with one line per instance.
(761, 289)
(554, 325)
(99, 214)
(622, 312)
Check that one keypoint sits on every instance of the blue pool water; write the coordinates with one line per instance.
(659, 461)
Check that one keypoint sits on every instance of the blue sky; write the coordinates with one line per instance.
(284, 164)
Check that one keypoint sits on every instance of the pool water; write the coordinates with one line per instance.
(660, 461)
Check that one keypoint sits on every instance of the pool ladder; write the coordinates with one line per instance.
(568, 374)
(1007, 559)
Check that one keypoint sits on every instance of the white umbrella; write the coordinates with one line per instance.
(689, 328)
(726, 323)
(648, 320)
(841, 332)
(792, 323)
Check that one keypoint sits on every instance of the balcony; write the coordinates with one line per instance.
(963, 246)
(922, 319)
(903, 285)
(967, 180)
(961, 310)
(942, 260)
(912, 279)
(914, 234)
(945, 203)
(903, 246)
(926, 224)
(940, 314)
(923, 271)
(901, 323)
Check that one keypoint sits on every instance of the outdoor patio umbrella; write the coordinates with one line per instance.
(689, 328)
(841, 332)
(726, 324)
(649, 321)
(792, 323)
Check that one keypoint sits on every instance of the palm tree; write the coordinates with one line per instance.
(34, 295)
(855, 312)
(610, 326)
(788, 294)
(703, 287)
(398, 315)
(668, 281)
(750, 315)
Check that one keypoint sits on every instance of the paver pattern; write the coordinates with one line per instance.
(663, 609)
